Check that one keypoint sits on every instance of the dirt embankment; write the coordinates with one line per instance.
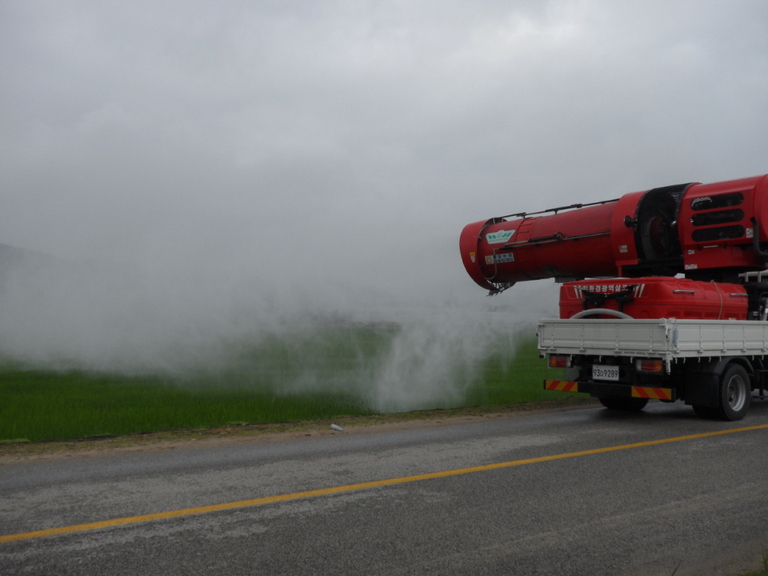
(281, 431)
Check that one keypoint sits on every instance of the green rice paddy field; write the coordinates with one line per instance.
(318, 376)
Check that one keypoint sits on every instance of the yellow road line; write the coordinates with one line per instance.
(350, 487)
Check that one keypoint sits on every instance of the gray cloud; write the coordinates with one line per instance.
(328, 154)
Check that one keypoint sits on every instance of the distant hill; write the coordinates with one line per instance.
(12, 257)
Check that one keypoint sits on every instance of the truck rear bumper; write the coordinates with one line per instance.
(609, 389)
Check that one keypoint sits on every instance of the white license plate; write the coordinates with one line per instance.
(605, 373)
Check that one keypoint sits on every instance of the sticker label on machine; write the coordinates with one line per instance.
(637, 289)
(499, 237)
(610, 373)
(500, 258)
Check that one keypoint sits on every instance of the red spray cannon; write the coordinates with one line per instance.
(704, 231)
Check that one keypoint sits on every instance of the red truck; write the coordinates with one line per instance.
(664, 292)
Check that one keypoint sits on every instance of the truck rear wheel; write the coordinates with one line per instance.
(626, 404)
(735, 393)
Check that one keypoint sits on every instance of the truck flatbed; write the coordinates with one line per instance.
(665, 338)
(713, 365)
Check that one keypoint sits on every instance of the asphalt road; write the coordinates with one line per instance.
(578, 492)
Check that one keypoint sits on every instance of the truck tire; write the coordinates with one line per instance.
(735, 393)
(626, 404)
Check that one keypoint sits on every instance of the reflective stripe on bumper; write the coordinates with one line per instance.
(561, 385)
(652, 393)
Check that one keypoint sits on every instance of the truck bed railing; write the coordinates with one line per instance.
(665, 338)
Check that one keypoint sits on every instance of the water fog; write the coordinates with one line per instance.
(182, 322)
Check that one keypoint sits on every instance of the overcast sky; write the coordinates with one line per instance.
(346, 143)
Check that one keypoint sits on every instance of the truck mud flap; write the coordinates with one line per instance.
(702, 387)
